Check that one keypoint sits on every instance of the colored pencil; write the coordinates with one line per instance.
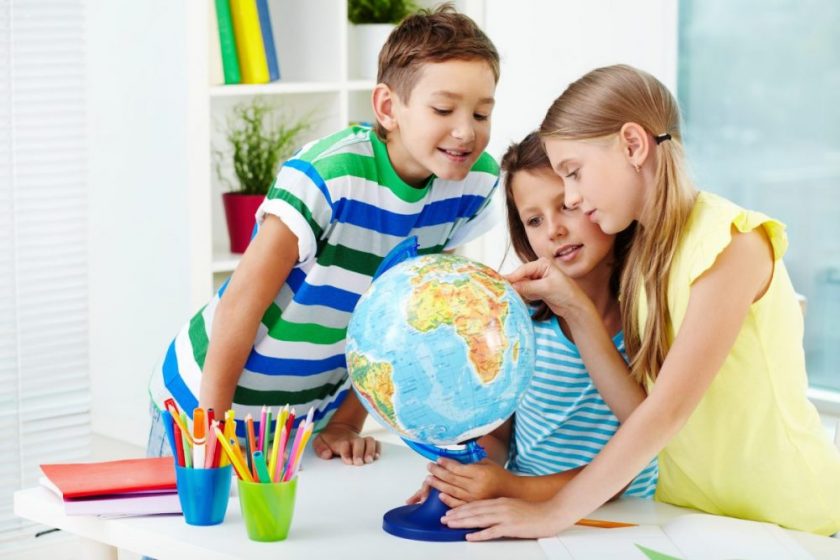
(241, 470)
(604, 524)
(261, 434)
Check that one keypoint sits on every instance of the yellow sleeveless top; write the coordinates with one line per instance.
(754, 448)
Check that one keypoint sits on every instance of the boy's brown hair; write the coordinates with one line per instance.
(529, 155)
(427, 36)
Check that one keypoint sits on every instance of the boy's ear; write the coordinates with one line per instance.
(383, 98)
(635, 144)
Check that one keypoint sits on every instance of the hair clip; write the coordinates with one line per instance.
(662, 137)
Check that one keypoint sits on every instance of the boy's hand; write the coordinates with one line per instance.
(459, 483)
(342, 440)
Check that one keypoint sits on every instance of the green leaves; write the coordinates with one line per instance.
(259, 140)
(379, 11)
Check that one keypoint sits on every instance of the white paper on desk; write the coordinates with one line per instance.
(119, 505)
(590, 543)
(689, 537)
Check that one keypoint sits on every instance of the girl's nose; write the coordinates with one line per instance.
(572, 198)
(558, 229)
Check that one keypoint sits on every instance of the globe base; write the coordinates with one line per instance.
(421, 522)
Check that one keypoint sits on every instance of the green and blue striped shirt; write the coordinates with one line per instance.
(348, 208)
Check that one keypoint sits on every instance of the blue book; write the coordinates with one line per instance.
(268, 40)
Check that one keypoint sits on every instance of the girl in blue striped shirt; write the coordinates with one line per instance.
(582, 387)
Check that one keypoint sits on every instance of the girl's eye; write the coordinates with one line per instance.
(532, 222)
(480, 117)
(573, 175)
(442, 111)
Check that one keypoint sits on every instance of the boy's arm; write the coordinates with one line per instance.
(261, 272)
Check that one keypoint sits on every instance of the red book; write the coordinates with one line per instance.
(77, 480)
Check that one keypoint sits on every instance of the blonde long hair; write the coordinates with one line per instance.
(598, 105)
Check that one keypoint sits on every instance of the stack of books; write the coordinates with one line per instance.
(115, 488)
(242, 49)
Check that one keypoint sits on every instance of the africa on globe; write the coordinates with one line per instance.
(440, 349)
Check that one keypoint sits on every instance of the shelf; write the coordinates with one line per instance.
(224, 261)
(277, 88)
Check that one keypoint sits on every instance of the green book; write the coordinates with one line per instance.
(227, 42)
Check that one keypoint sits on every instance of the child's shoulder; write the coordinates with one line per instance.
(486, 164)
(355, 139)
(710, 225)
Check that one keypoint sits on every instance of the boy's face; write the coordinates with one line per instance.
(445, 125)
(561, 234)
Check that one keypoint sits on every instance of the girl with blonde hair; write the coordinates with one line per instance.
(711, 324)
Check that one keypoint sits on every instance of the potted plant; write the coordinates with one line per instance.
(259, 139)
(372, 22)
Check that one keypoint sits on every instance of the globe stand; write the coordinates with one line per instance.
(421, 522)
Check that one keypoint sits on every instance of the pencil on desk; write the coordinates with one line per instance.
(604, 524)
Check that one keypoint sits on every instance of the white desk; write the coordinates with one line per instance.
(338, 514)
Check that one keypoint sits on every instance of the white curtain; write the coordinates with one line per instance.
(44, 377)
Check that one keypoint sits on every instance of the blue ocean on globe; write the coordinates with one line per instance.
(440, 349)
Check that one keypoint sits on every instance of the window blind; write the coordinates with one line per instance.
(44, 378)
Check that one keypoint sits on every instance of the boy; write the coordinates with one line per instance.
(334, 211)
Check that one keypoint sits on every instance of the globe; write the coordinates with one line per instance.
(440, 349)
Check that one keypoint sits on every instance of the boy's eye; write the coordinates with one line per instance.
(442, 111)
(574, 174)
(480, 117)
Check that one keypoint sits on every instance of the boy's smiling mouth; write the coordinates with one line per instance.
(456, 155)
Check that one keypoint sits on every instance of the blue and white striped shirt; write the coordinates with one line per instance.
(563, 422)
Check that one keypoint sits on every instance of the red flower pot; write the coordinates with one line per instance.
(240, 210)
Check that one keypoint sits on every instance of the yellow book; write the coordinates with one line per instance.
(249, 43)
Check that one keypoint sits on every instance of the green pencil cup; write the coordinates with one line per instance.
(267, 508)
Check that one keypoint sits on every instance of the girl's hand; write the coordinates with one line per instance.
(460, 483)
(506, 517)
(542, 280)
(420, 496)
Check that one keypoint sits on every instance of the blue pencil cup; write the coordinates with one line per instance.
(204, 494)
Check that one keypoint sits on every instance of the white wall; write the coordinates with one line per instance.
(139, 292)
(546, 44)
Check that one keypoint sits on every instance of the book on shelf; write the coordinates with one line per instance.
(250, 48)
(118, 505)
(227, 41)
(80, 480)
(268, 40)
(688, 537)
(216, 69)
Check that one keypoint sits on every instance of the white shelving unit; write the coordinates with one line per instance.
(314, 55)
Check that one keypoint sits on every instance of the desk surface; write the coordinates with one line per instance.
(339, 512)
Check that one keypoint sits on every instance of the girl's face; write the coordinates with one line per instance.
(559, 233)
(599, 179)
